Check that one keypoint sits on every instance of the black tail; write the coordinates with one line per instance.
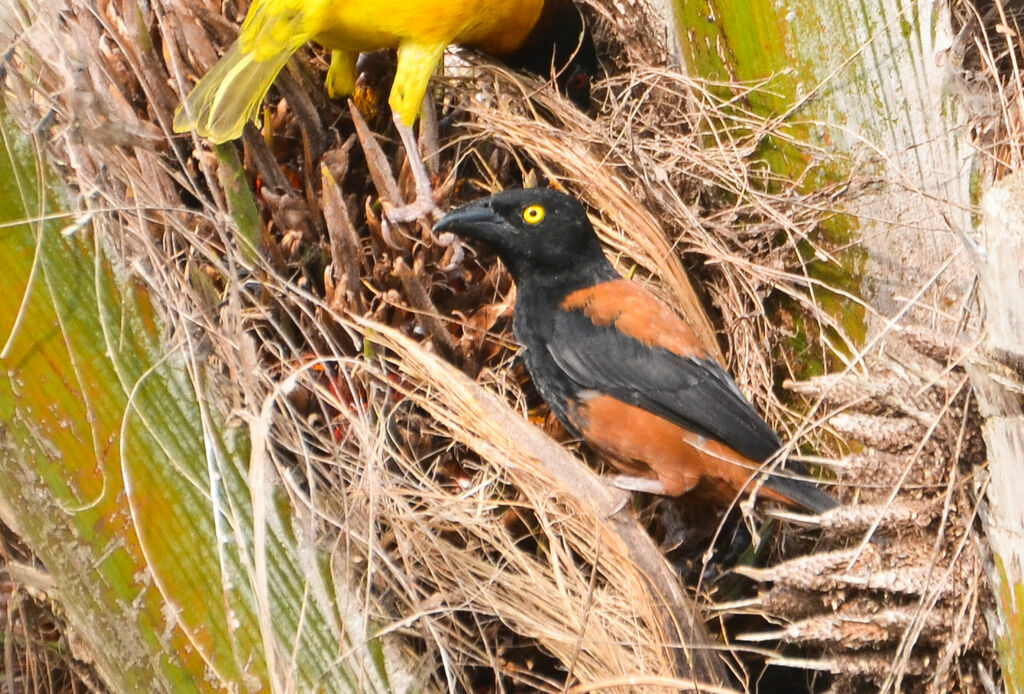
(800, 492)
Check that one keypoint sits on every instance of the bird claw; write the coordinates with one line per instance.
(423, 207)
(637, 484)
(624, 497)
(450, 240)
(386, 234)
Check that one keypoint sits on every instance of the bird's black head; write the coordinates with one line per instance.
(560, 40)
(538, 233)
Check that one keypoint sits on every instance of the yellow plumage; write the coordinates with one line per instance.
(231, 93)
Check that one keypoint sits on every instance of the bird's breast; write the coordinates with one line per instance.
(555, 389)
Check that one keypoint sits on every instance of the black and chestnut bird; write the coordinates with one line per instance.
(538, 35)
(619, 368)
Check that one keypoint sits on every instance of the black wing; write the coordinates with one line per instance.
(694, 393)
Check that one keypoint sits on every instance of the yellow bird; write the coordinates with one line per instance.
(539, 35)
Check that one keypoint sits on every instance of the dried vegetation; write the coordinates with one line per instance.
(356, 345)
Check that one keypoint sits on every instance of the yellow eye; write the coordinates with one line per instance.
(533, 214)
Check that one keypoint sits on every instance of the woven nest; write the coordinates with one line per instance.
(364, 341)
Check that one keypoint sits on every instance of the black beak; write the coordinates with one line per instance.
(475, 221)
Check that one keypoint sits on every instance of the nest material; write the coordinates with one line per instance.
(40, 652)
(486, 558)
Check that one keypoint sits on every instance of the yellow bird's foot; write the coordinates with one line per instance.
(424, 206)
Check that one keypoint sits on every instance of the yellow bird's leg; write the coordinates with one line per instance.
(341, 75)
(416, 63)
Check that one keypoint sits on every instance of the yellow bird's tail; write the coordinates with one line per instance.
(230, 95)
